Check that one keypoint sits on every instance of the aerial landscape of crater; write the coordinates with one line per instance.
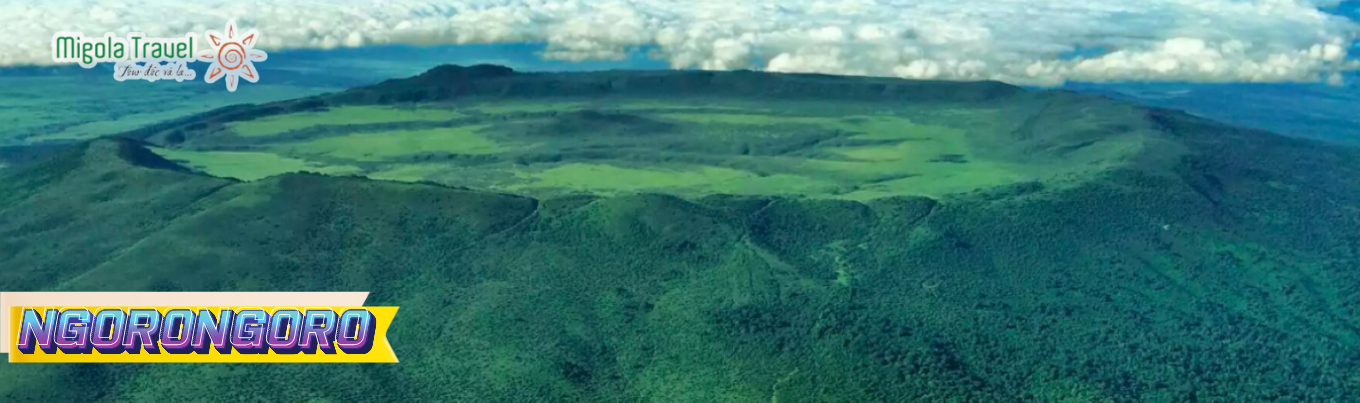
(646, 235)
(662, 201)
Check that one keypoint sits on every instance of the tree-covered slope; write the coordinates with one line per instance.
(1217, 266)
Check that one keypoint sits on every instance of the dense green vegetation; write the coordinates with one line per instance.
(1174, 260)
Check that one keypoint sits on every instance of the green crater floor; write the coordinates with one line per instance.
(619, 146)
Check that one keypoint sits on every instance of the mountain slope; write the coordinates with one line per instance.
(1223, 271)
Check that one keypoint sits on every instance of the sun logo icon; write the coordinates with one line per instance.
(233, 56)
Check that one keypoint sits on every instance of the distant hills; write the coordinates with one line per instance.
(452, 82)
(1208, 263)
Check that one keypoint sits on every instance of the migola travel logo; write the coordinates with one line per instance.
(137, 57)
(233, 56)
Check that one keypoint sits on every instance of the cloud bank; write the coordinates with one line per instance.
(1041, 42)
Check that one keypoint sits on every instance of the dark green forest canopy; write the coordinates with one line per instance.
(1210, 264)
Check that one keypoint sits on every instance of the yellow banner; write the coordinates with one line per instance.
(200, 334)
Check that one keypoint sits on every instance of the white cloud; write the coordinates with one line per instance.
(1019, 41)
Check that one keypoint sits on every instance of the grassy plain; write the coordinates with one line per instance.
(382, 145)
(344, 115)
(507, 107)
(411, 172)
(684, 147)
(609, 179)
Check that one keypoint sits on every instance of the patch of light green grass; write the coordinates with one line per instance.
(892, 153)
(692, 180)
(410, 172)
(383, 145)
(780, 184)
(249, 166)
(497, 108)
(683, 105)
(611, 179)
(344, 115)
(747, 118)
